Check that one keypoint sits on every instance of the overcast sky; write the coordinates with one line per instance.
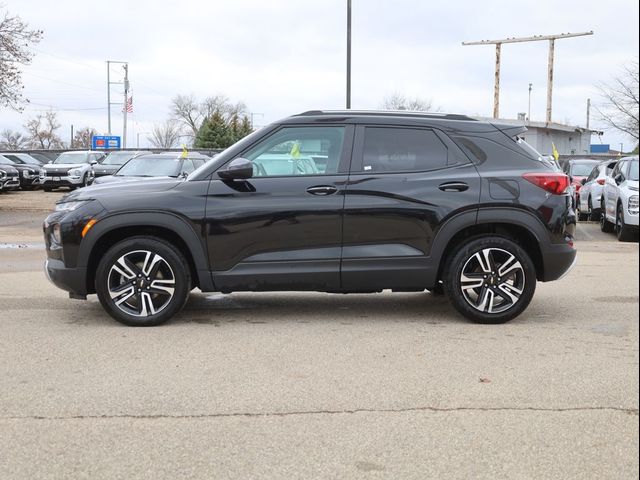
(282, 57)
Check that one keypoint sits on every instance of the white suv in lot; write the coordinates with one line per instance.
(591, 191)
(71, 169)
(620, 200)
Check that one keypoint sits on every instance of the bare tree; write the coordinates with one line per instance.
(191, 113)
(398, 101)
(186, 110)
(166, 135)
(15, 40)
(42, 131)
(10, 140)
(619, 109)
(83, 138)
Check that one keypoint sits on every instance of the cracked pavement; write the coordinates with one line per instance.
(308, 385)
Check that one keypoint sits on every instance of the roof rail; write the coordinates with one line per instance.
(382, 113)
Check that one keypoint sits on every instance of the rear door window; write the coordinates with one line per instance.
(396, 150)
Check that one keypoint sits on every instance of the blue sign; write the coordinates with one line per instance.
(102, 142)
(600, 148)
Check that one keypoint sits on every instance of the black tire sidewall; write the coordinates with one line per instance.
(174, 258)
(456, 262)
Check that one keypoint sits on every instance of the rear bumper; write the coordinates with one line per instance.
(70, 279)
(558, 261)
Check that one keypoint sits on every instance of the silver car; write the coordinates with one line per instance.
(621, 206)
(590, 196)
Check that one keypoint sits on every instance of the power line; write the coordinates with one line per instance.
(62, 82)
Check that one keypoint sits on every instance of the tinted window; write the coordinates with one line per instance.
(298, 151)
(581, 169)
(402, 150)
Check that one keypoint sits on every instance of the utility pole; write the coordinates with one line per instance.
(71, 142)
(529, 110)
(348, 54)
(126, 105)
(588, 112)
(535, 38)
(109, 83)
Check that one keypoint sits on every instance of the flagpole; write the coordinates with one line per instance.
(125, 110)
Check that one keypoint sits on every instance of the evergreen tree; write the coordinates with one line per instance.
(214, 133)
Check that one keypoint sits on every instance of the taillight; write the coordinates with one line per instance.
(556, 183)
(600, 181)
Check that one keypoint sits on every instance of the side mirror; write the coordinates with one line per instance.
(50, 161)
(239, 168)
(618, 179)
(93, 162)
(583, 181)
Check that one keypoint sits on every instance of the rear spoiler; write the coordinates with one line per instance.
(510, 130)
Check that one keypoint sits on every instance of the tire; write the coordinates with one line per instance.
(47, 189)
(85, 181)
(476, 287)
(594, 213)
(605, 225)
(121, 286)
(582, 216)
(623, 231)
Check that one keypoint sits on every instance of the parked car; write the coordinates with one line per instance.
(29, 174)
(113, 161)
(70, 169)
(578, 169)
(620, 200)
(154, 165)
(400, 201)
(588, 205)
(9, 177)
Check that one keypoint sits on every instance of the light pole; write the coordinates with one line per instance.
(348, 54)
(138, 138)
(529, 110)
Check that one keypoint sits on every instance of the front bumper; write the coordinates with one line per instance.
(70, 279)
(10, 183)
(66, 181)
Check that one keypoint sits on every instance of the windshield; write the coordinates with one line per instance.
(633, 170)
(72, 157)
(118, 158)
(151, 167)
(582, 169)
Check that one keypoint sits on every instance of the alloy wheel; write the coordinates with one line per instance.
(492, 280)
(141, 283)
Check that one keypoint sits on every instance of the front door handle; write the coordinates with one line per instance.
(453, 187)
(322, 190)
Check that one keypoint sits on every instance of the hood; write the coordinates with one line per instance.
(96, 192)
(122, 179)
(8, 168)
(62, 166)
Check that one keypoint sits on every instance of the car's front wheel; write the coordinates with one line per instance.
(490, 279)
(623, 231)
(143, 281)
(605, 225)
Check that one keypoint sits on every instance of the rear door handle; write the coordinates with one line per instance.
(453, 187)
(322, 190)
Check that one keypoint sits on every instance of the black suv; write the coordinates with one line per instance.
(340, 201)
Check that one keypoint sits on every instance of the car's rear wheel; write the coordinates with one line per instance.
(582, 216)
(490, 279)
(594, 214)
(47, 189)
(605, 225)
(623, 231)
(143, 281)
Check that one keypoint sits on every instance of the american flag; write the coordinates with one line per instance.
(128, 106)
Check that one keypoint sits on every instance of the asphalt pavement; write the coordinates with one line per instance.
(312, 385)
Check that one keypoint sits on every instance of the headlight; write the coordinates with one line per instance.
(3, 174)
(70, 206)
(75, 173)
(55, 233)
(632, 206)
